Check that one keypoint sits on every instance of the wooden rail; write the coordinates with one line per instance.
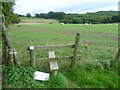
(53, 47)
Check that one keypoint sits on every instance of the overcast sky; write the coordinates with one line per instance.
(67, 6)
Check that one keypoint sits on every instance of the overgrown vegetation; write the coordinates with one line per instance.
(82, 77)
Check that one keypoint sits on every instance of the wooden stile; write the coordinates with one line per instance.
(51, 53)
(53, 64)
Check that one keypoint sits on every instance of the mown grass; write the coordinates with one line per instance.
(90, 72)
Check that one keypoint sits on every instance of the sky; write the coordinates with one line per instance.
(68, 6)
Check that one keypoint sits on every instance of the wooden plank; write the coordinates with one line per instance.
(53, 65)
(51, 54)
(75, 52)
(53, 47)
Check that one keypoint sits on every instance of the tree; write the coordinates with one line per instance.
(51, 15)
(15, 18)
(28, 15)
(115, 18)
(56, 15)
(37, 15)
(7, 10)
(76, 21)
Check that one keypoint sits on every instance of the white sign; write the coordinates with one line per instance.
(41, 76)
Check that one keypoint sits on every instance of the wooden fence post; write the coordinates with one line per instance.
(32, 56)
(15, 58)
(11, 56)
(117, 57)
(75, 52)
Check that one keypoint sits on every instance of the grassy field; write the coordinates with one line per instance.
(98, 44)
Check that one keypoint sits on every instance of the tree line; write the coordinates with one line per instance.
(93, 18)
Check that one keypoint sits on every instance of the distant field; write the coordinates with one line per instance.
(98, 44)
(37, 20)
(97, 36)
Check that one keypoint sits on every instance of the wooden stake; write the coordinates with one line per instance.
(75, 52)
(118, 55)
(15, 58)
(32, 56)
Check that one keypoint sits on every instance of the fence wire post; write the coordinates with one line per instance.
(75, 52)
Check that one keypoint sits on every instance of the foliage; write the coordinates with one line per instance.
(94, 18)
(51, 15)
(15, 18)
(20, 77)
(86, 76)
(7, 10)
(59, 81)
(28, 15)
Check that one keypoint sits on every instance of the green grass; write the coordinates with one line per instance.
(90, 72)
(81, 77)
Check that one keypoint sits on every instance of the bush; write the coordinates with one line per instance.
(75, 21)
(66, 21)
(15, 18)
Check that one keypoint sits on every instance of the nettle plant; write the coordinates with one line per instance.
(20, 76)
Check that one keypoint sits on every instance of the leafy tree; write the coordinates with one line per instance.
(56, 15)
(66, 21)
(43, 15)
(28, 15)
(75, 21)
(37, 15)
(15, 18)
(7, 10)
(115, 18)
